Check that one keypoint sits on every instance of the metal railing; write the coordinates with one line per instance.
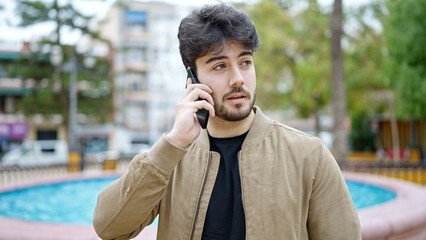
(17, 175)
(415, 173)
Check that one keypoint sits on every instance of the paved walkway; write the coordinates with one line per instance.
(11, 229)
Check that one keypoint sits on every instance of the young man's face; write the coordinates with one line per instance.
(232, 77)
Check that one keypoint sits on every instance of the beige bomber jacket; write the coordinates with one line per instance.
(291, 187)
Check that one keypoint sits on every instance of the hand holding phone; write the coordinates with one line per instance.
(202, 114)
(185, 128)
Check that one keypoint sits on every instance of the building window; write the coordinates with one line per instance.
(136, 82)
(2, 72)
(132, 16)
(135, 55)
(136, 115)
(135, 21)
(47, 135)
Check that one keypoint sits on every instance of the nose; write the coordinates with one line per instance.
(236, 79)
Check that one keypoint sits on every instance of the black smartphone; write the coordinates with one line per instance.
(202, 114)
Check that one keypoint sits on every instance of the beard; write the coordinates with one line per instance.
(222, 112)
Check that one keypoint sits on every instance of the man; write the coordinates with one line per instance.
(245, 176)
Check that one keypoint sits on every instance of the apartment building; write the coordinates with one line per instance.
(24, 73)
(14, 126)
(149, 76)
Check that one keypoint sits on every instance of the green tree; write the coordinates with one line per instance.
(52, 97)
(362, 137)
(275, 62)
(365, 60)
(63, 16)
(405, 32)
(312, 69)
(293, 65)
(368, 88)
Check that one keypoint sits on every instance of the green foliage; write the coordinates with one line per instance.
(365, 61)
(384, 47)
(293, 65)
(312, 83)
(410, 86)
(102, 105)
(97, 101)
(34, 12)
(275, 31)
(31, 66)
(405, 31)
(44, 102)
(53, 98)
(361, 136)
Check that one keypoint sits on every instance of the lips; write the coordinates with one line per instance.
(237, 96)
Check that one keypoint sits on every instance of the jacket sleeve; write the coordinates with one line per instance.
(332, 214)
(132, 202)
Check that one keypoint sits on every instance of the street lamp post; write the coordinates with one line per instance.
(72, 115)
(75, 159)
(71, 67)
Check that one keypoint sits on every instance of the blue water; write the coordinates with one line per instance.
(74, 202)
(367, 195)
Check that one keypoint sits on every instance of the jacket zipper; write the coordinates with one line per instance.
(242, 189)
(201, 194)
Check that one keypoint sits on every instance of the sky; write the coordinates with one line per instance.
(9, 33)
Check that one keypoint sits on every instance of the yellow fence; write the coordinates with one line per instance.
(411, 156)
(407, 168)
(416, 175)
(412, 174)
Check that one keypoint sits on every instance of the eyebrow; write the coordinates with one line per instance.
(244, 53)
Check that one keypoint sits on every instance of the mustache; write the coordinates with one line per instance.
(236, 90)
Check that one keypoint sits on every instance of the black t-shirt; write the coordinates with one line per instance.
(225, 214)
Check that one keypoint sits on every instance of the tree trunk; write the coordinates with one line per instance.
(394, 130)
(338, 84)
(56, 80)
(317, 114)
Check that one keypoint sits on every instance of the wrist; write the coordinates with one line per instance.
(173, 139)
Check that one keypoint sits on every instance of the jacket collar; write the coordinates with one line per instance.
(259, 128)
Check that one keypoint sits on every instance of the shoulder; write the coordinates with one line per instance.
(292, 136)
(301, 147)
(278, 137)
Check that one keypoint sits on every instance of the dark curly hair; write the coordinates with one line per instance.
(211, 28)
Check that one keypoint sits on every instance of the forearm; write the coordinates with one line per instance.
(332, 214)
(129, 204)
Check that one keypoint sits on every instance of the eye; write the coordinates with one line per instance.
(246, 62)
(219, 66)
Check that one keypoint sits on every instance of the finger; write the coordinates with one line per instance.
(191, 86)
(188, 88)
(197, 94)
(188, 81)
(202, 104)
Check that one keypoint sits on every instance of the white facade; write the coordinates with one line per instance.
(149, 74)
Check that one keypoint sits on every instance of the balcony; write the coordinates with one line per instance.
(135, 38)
(137, 66)
(137, 96)
(13, 86)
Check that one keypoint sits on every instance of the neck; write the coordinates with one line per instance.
(220, 128)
